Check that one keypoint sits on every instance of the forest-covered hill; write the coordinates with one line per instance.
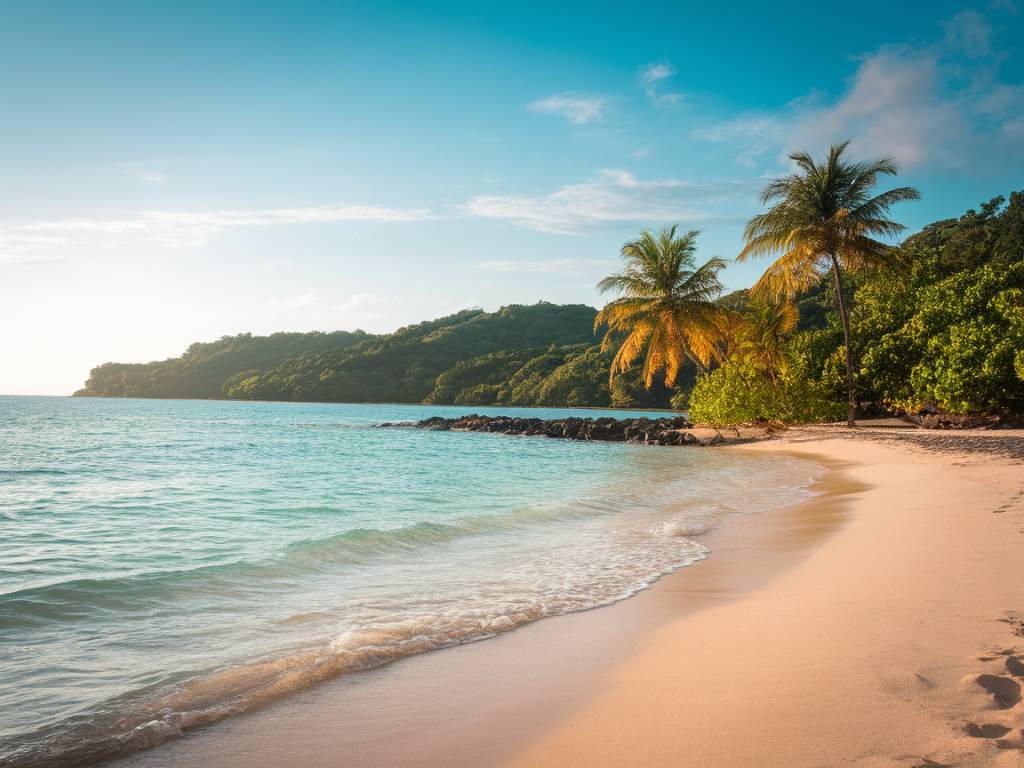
(204, 367)
(544, 354)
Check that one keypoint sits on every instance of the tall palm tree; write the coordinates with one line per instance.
(667, 306)
(824, 218)
(763, 332)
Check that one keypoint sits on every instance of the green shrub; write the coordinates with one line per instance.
(957, 345)
(735, 394)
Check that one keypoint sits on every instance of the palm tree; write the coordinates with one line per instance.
(762, 335)
(667, 306)
(824, 219)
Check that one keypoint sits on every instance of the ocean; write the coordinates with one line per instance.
(167, 564)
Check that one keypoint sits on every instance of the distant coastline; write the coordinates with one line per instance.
(493, 406)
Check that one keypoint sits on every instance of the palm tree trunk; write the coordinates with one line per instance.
(851, 403)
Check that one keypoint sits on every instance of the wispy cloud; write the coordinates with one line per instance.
(148, 177)
(551, 266)
(301, 301)
(578, 109)
(276, 265)
(157, 220)
(936, 105)
(190, 228)
(653, 77)
(462, 306)
(753, 134)
(29, 249)
(362, 302)
(141, 173)
(969, 32)
(617, 196)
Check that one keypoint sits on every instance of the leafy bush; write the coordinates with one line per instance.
(948, 329)
(953, 341)
(971, 327)
(734, 394)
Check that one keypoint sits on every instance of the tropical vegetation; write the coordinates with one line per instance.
(942, 329)
(824, 221)
(935, 322)
(667, 311)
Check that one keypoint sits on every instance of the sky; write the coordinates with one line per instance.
(174, 172)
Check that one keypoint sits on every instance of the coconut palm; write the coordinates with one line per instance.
(667, 310)
(824, 219)
(763, 332)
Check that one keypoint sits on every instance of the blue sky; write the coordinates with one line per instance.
(174, 174)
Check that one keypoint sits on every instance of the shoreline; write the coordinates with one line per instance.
(875, 622)
(898, 642)
(501, 694)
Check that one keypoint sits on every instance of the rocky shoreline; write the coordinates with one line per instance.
(663, 431)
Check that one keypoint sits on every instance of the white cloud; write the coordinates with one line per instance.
(755, 134)
(365, 309)
(654, 73)
(575, 108)
(277, 265)
(361, 305)
(894, 107)
(215, 220)
(553, 266)
(923, 106)
(362, 302)
(190, 228)
(29, 260)
(29, 249)
(652, 76)
(301, 301)
(148, 177)
(616, 196)
(969, 32)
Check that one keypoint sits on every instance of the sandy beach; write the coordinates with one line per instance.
(895, 643)
(877, 625)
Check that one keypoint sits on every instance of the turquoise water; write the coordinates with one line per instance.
(166, 564)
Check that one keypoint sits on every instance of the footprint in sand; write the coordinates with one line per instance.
(1015, 666)
(986, 730)
(998, 654)
(1005, 691)
(1007, 744)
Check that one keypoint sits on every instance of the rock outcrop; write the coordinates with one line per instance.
(664, 431)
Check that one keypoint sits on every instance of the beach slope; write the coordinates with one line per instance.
(897, 642)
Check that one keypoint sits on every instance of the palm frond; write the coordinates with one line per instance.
(666, 308)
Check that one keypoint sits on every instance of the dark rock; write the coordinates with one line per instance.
(664, 431)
